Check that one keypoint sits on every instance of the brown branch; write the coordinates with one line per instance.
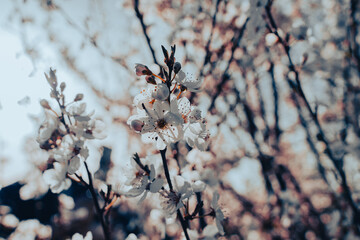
(144, 27)
(96, 203)
(338, 163)
(225, 76)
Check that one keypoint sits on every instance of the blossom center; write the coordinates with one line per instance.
(161, 123)
(53, 142)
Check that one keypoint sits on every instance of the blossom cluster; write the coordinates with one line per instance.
(63, 135)
(163, 116)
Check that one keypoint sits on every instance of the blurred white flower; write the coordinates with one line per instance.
(198, 186)
(31, 229)
(56, 177)
(193, 234)
(84, 126)
(131, 236)
(35, 185)
(217, 213)
(209, 177)
(78, 236)
(209, 232)
(196, 135)
(78, 112)
(49, 131)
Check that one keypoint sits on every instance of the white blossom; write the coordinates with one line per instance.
(159, 125)
(134, 173)
(78, 236)
(192, 85)
(173, 200)
(56, 177)
(217, 213)
(196, 135)
(48, 127)
(147, 184)
(144, 98)
(131, 236)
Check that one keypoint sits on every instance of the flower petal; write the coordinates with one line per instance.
(156, 185)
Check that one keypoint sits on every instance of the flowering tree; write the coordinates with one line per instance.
(247, 129)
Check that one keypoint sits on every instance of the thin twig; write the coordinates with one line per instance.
(225, 76)
(140, 16)
(338, 163)
(96, 203)
(276, 104)
(166, 169)
(167, 174)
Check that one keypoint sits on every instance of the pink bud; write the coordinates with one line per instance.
(45, 104)
(150, 79)
(142, 70)
(137, 125)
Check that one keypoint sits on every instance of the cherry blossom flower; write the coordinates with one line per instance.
(187, 83)
(196, 135)
(147, 184)
(77, 111)
(217, 213)
(159, 125)
(31, 229)
(209, 232)
(78, 236)
(84, 126)
(131, 236)
(56, 177)
(50, 132)
(134, 173)
(144, 98)
(173, 200)
(187, 112)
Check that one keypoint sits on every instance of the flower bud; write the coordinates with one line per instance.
(137, 125)
(161, 92)
(62, 86)
(52, 80)
(150, 79)
(53, 94)
(78, 97)
(177, 67)
(142, 70)
(45, 104)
